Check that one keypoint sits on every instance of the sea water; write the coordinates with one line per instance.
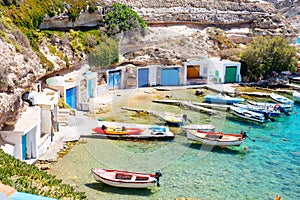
(262, 169)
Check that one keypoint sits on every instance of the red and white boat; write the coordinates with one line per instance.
(120, 178)
(216, 138)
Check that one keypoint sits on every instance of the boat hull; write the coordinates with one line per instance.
(222, 99)
(124, 183)
(258, 109)
(248, 115)
(117, 131)
(287, 103)
(225, 141)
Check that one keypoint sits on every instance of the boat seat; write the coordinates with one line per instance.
(123, 176)
(214, 136)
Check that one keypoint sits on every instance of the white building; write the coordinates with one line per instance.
(32, 133)
(130, 76)
(213, 70)
(77, 87)
(22, 139)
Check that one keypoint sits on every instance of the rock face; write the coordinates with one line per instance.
(290, 9)
(261, 17)
(62, 22)
(20, 67)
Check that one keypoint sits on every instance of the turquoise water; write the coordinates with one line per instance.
(255, 170)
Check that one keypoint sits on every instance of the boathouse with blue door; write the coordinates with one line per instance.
(170, 76)
(22, 140)
(143, 77)
(77, 87)
(122, 77)
(71, 97)
(148, 76)
(114, 79)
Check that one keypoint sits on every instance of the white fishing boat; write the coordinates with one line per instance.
(249, 115)
(216, 138)
(259, 109)
(270, 106)
(126, 179)
(288, 103)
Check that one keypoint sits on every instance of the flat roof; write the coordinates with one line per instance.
(26, 121)
(47, 97)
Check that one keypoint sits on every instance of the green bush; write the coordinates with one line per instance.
(122, 18)
(268, 54)
(29, 179)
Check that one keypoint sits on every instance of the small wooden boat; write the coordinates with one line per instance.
(127, 179)
(288, 103)
(216, 138)
(172, 120)
(296, 95)
(222, 99)
(116, 130)
(249, 115)
(259, 109)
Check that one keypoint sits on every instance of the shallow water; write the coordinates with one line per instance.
(269, 166)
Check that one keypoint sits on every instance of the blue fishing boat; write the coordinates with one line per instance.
(222, 99)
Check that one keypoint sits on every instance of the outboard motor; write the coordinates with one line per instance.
(244, 134)
(157, 175)
(29, 98)
(283, 110)
(267, 116)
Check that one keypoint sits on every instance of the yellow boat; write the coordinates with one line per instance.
(117, 130)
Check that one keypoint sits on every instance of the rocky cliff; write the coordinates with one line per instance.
(203, 28)
(20, 66)
(261, 17)
(290, 9)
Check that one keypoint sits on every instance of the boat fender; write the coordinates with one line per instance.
(276, 107)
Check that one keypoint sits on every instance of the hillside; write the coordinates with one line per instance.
(179, 30)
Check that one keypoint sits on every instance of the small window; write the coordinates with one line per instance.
(217, 73)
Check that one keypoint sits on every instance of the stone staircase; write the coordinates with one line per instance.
(63, 116)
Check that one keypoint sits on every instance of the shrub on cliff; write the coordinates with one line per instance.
(266, 55)
(104, 54)
(121, 18)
